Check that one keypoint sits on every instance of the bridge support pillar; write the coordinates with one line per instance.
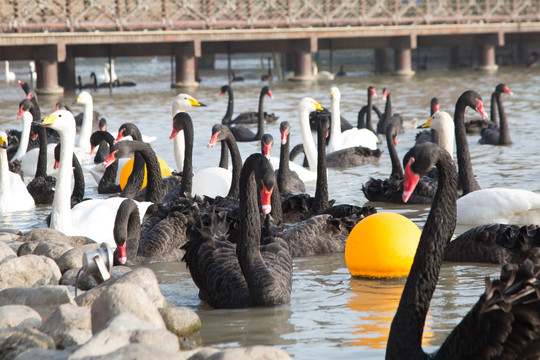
(186, 65)
(66, 73)
(47, 58)
(381, 60)
(403, 55)
(487, 58)
(303, 70)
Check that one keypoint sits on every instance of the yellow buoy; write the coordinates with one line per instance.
(128, 168)
(382, 245)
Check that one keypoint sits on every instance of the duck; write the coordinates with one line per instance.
(182, 102)
(93, 218)
(497, 135)
(494, 327)
(353, 137)
(475, 127)
(13, 193)
(147, 243)
(244, 134)
(391, 189)
(389, 117)
(288, 181)
(255, 272)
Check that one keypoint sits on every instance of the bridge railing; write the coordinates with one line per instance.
(129, 15)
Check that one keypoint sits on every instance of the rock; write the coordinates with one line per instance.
(43, 354)
(180, 321)
(200, 353)
(6, 252)
(53, 250)
(124, 297)
(144, 352)
(143, 277)
(27, 248)
(51, 235)
(44, 299)
(9, 234)
(16, 340)
(257, 352)
(84, 282)
(19, 315)
(73, 259)
(69, 325)
(125, 328)
(29, 270)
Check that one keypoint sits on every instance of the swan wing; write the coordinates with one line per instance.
(17, 197)
(499, 205)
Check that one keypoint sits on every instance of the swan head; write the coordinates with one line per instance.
(182, 102)
(123, 149)
(474, 100)
(265, 177)
(84, 98)
(25, 106)
(309, 104)
(285, 130)
(219, 133)
(371, 91)
(335, 94)
(266, 91)
(385, 93)
(61, 120)
(502, 88)
(128, 129)
(434, 105)
(225, 89)
(267, 142)
(3, 140)
(180, 120)
(440, 121)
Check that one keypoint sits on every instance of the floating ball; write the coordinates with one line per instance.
(128, 168)
(382, 245)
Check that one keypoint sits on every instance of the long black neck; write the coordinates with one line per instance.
(361, 124)
(41, 170)
(187, 170)
(284, 171)
(236, 160)
(248, 246)
(135, 179)
(504, 133)
(127, 227)
(321, 187)
(224, 157)
(466, 176)
(79, 185)
(493, 108)
(387, 116)
(230, 107)
(405, 339)
(260, 118)
(397, 170)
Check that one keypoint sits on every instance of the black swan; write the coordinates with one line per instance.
(498, 135)
(288, 181)
(497, 244)
(388, 116)
(252, 117)
(108, 182)
(147, 243)
(475, 127)
(503, 324)
(364, 115)
(226, 89)
(257, 272)
(391, 189)
(429, 135)
(244, 134)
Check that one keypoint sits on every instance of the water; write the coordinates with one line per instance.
(331, 315)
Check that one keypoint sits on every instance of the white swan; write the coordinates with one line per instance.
(10, 75)
(91, 218)
(306, 106)
(110, 77)
(444, 124)
(182, 102)
(86, 100)
(350, 138)
(499, 205)
(13, 193)
(29, 158)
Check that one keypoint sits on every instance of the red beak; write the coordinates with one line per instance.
(20, 112)
(410, 182)
(174, 132)
(508, 91)
(119, 136)
(56, 165)
(122, 254)
(480, 109)
(213, 140)
(266, 196)
(110, 159)
(270, 94)
(436, 107)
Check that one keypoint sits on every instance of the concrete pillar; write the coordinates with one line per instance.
(382, 57)
(186, 65)
(66, 73)
(456, 54)
(47, 58)
(487, 58)
(303, 70)
(403, 55)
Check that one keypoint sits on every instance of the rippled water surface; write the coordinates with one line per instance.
(331, 314)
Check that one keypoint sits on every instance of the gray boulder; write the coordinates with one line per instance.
(44, 354)
(29, 270)
(53, 249)
(44, 299)
(144, 352)
(124, 297)
(51, 235)
(73, 259)
(69, 325)
(83, 282)
(27, 248)
(6, 252)
(19, 315)
(180, 321)
(257, 352)
(16, 340)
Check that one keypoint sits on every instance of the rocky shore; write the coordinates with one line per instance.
(44, 316)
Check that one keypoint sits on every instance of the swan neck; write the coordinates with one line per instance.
(284, 172)
(61, 207)
(260, 119)
(335, 126)
(224, 156)
(405, 339)
(187, 170)
(321, 187)
(230, 109)
(466, 176)
(236, 160)
(25, 138)
(397, 170)
(86, 128)
(179, 149)
(504, 134)
(127, 227)
(4, 171)
(309, 145)
(494, 103)
(41, 170)
(78, 175)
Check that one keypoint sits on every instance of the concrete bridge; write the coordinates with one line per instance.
(53, 33)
